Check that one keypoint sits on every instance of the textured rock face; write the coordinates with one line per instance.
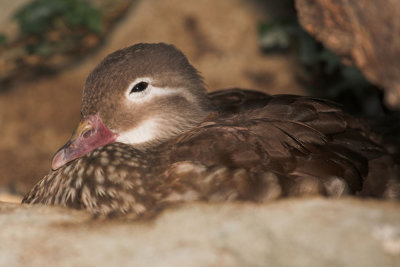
(367, 32)
(308, 232)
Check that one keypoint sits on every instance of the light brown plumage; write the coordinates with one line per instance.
(248, 146)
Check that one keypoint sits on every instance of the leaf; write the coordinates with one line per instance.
(3, 39)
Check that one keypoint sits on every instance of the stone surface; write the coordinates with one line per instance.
(364, 32)
(301, 232)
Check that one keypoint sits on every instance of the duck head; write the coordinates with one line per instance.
(141, 95)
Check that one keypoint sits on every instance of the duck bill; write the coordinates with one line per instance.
(90, 134)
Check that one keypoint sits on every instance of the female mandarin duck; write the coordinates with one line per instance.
(150, 136)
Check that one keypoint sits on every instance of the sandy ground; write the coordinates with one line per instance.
(219, 38)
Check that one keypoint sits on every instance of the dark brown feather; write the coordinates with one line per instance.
(254, 147)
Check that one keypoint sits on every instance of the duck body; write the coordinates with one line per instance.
(239, 145)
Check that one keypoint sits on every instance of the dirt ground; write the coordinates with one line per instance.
(219, 38)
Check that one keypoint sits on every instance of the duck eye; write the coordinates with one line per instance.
(139, 87)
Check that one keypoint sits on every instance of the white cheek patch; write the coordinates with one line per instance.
(149, 93)
(145, 132)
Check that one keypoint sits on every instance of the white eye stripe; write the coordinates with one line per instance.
(149, 93)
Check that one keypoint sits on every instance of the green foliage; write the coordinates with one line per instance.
(42, 15)
(274, 36)
(57, 26)
(3, 39)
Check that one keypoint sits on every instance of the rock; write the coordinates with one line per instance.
(10, 197)
(364, 32)
(293, 232)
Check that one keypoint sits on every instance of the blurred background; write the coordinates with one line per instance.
(48, 47)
